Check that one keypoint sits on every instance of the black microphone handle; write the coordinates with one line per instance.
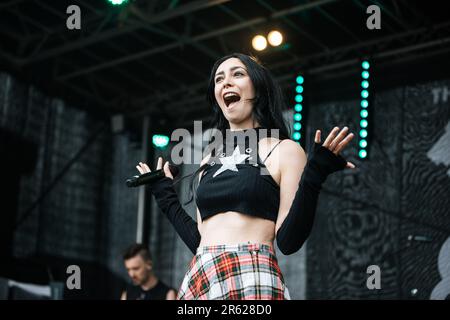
(149, 177)
(145, 178)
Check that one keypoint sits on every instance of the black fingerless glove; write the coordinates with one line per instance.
(168, 202)
(298, 223)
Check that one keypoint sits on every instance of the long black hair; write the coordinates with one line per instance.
(268, 104)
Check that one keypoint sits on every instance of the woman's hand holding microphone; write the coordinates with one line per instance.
(143, 168)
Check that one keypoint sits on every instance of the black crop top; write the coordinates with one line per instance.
(236, 180)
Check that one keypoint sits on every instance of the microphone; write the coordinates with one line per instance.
(150, 177)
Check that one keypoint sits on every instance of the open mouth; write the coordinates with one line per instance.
(230, 98)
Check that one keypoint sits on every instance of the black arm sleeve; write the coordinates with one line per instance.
(297, 226)
(168, 202)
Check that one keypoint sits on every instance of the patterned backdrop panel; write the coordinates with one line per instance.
(67, 203)
(360, 210)
(425, 186)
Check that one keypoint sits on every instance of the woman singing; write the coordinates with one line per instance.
(240, 211)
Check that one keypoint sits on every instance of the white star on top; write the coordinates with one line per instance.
(229, 163)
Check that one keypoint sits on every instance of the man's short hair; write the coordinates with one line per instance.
(137, 249)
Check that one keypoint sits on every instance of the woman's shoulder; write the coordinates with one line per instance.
(292, 155)
(288, 146)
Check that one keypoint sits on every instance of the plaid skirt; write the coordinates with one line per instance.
(234, 272)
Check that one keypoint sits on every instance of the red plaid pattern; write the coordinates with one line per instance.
(234, 272)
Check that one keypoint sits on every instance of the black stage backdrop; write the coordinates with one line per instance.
(365, 217)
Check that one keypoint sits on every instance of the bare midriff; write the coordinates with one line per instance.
(230, 228)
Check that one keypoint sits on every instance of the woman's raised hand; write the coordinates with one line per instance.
(143, 168)
(336, 142)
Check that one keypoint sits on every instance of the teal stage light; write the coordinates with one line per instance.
(160, 141)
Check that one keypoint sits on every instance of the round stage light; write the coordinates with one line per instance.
(275, 38)
(259, 43)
